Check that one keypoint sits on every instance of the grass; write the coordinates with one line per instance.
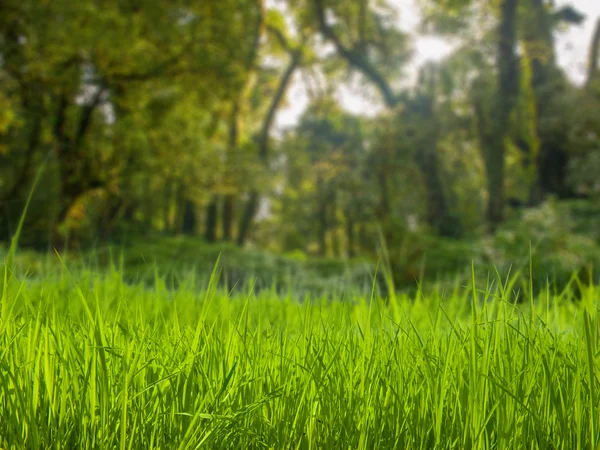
(89, 361)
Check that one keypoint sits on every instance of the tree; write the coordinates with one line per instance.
(507, 91)
(81, 70)
(296, 53)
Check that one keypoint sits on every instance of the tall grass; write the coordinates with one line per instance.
(88, 361)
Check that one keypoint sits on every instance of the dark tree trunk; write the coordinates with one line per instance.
(228, 209)
(189, 222)
(247, 218)
(553, 164)
(508, 86)
(210, 233)
(438, 214)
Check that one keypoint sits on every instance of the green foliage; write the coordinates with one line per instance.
(560, 246)
(159, 118)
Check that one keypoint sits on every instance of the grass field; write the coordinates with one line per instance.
(88, 361)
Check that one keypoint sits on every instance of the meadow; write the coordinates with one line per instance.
(88, 360)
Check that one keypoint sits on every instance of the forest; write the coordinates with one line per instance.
(146, 120)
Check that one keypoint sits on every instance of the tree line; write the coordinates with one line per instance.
(160, 116)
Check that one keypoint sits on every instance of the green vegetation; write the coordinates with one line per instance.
(422, 274)
(88, 361)
(164, 118)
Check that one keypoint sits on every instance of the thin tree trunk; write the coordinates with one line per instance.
(210, 233)
(227, 223)
(247, 218)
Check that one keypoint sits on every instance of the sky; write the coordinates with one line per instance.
(572, 52)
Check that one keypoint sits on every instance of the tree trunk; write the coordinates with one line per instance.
(210, 233)
(546, 82)
(228, 208)
(247, 218)
(508, 86)
(188, 225)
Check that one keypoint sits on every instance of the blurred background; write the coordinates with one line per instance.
(306, 136)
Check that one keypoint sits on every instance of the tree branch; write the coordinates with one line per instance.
(356, 58)
(280, 38)
(263, 139)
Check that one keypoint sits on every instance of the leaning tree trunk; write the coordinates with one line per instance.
(263, 143)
